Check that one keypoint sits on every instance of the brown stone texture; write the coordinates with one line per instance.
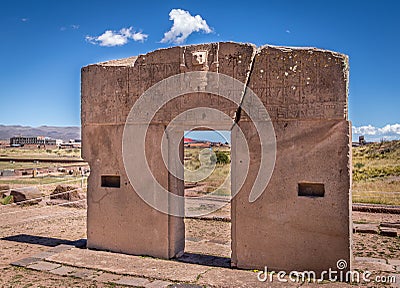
(61, 192)
(129, 265)
(26, 195)
(304, 91)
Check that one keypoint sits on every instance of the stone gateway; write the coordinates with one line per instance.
(302, 219)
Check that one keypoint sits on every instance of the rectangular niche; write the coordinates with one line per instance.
(309, 189)
(110, 181)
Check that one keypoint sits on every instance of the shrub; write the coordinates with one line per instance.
(7, 200)
(359, 165)
(222, 157)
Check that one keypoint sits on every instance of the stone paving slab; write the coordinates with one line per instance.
(159, 284)
(43, 266)
(130, 265)
(183, 285)
(46, 254)
(64, 270)
(26, 261)
(132, 281)
(87, 274)
(136, 271)
(106, 277)
(61, 248)
(224, 277)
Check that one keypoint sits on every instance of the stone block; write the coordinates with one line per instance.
(158, 284)
(43, 266)
(64, 271)
(25, 261)
(390, 232)
(26, 195)
(366, 228)
(132, 281)
(304, 91)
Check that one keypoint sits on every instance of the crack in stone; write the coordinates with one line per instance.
(245, 87)
(202, 273)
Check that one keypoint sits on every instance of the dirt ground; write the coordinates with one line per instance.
(26, 231)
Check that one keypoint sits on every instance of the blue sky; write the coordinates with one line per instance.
(45, 43)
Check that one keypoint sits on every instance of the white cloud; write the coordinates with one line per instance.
(75, 26)
(288, 31)
(117, 38)
(24, 19)
(371, 133)
(184, 25)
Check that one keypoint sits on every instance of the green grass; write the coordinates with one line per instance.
(39, 180)
(376, 170)
(214, 182)
(47, 188)
(46, 184)
(51, 153)
(6, 200)
(376, 173)
(40, 154)
(30, 165)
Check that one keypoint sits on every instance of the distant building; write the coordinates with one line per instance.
(73, 143)
(361, 140)
(188, 142)
(39, 140)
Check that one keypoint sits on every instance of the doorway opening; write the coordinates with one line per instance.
(207, 162)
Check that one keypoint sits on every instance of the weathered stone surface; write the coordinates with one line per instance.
(158, 284)
(185, 285)
(390, 232)
(296, 83)
(370, 259)
(87, 274)
(366, 228)
(395, 262)
(376, 208)
(223, 277)
(132, 281)
(304, 152)
(27, 195)
(44, 255)
(64, 271)
(106, 277)
(390, 225)
(69, 193)
(43, 266)
(130, 265)
(26, 261)
(304, 91)
(373, 264)
(61, 248)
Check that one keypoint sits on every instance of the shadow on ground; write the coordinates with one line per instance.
(207, 260)
(45, 241)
